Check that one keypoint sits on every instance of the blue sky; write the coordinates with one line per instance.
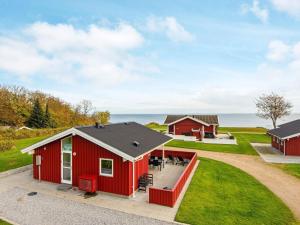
(154, 56)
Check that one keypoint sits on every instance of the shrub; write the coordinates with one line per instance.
(11, 134)
(6, 145)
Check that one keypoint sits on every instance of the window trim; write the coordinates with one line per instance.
(112, 167)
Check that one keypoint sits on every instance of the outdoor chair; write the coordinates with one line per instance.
(182, 161)
(149, 177)
(162, 161)
(170, 159)
(156, 163)
(143, 183)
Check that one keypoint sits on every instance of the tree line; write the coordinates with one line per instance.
(22, 107)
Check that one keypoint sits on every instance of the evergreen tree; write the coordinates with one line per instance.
(47, 117)
(36, 118)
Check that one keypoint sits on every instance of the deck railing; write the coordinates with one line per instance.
(169, 197)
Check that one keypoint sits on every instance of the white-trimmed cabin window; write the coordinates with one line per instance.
(106, 167)
(67, 144)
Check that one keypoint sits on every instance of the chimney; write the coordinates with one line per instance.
(98, 125)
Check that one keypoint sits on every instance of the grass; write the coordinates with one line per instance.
(242, 130)
(243, 146)
(2, 222)
(292, 169)
(13, 158)
(222, 194)
(157, 127)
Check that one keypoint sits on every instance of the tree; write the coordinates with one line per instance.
(273, 107)
(86, 107)
(102, 117)
(36, 118)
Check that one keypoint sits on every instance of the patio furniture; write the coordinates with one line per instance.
(162, 161)
(170, 159)
(143, 183)
(156, 163)
(182, 161)
(149, 177)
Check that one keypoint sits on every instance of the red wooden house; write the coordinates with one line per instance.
(199, 126)
(116, 154)
(286, 138)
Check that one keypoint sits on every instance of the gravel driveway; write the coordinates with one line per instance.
(17, 206)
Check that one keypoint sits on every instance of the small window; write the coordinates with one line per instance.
(106, 167)
(67, 144)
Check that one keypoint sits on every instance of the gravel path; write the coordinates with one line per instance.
(283, 185)
(17, 206)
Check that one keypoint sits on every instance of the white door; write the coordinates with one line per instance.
(66, 160)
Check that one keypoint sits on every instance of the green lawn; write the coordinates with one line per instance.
(293, 169)
(243, 146)
(13, 158)
(242, 130)
(157, 127)
(222, 194)
(2, 222)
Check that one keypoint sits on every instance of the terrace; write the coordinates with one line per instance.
(169, 180)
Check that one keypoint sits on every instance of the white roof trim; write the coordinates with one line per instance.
(286, 137)
(74, 131)
(189, 117)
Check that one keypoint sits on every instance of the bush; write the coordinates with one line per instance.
(12, 134)
(6, 145)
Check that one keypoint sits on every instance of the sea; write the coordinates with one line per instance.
(225, 120)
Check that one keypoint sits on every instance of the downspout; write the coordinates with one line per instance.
(133, 179)
(174, 130)
(284, 147)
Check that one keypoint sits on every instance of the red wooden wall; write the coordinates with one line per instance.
(186, 125)
(292, 146)
(169, 197)
(140, 168)
(50, 167)
(86, 162)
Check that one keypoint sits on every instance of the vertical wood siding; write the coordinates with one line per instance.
(50, 166)
(186, 126)
(86, 162)
(141, 167)
(292, 146)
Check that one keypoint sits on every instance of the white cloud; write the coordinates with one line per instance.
(261, 13)
(66, 53)
(278, 51)
(171, 27)
(292, 7)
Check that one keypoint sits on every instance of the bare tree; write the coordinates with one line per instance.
(273, 107)
(86, 107)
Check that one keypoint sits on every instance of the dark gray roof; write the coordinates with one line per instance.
(286, 129)
(131, 138)
(210, 119)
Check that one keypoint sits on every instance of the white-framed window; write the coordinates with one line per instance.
(106, 167)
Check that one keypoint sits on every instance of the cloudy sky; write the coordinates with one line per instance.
(171, 56)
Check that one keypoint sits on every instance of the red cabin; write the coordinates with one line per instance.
(199, 126)
(286, 138)
(114, 156)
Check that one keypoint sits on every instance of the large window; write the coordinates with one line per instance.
(106, 167)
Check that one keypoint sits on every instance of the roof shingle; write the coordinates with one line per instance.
(123, 137)
(286, 129)
(210, 119)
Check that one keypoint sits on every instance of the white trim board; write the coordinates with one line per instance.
(74, 131)
(189, 117)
